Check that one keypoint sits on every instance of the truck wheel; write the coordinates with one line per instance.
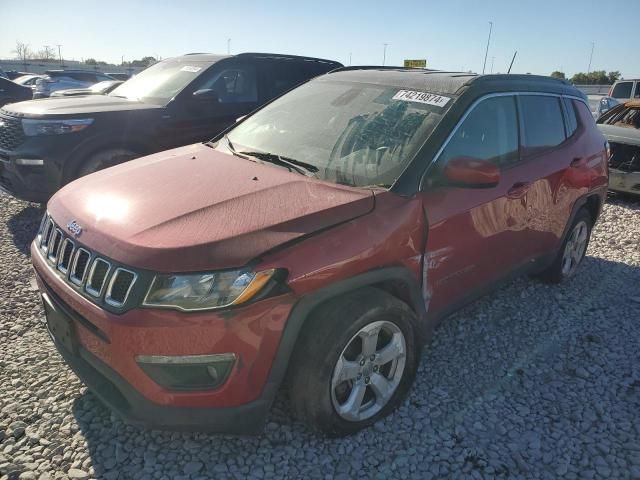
(572, 251)
(354, 363)
(104, 159)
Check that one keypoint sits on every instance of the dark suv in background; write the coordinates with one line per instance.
(45, 144)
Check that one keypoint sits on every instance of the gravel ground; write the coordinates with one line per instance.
(530, 382)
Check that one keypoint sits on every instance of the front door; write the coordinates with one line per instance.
(476, 235)
(230, 91)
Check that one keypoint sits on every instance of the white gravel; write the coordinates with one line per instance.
(532, 381)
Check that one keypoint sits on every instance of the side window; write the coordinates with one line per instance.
(284, 75)
(543, 125)
(235, 84)
(572, 121)
(490, 132)
(622, 90)
(102, 78)
(637, 94)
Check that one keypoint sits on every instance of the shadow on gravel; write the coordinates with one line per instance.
(494, 373)
(23, 226)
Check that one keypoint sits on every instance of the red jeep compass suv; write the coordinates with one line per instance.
(319, 241)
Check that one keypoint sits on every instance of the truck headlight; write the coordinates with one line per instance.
(34, 127)
(205, 291)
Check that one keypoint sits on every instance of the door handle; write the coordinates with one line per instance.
(518, 190)
(577, 162)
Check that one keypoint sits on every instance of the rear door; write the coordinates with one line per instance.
(547, 152)
(476, 236)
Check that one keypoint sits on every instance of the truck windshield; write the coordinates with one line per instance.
(161, 82)
(354, 133)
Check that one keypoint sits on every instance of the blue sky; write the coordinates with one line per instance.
(548, 34)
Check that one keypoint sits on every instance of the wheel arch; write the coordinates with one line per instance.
(397, 281)
(96, 144)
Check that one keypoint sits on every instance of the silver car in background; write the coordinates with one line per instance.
(55, 80)
(100, 88)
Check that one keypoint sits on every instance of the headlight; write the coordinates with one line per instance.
(33, 128)
(204, 291)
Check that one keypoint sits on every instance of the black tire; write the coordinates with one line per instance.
(555, 273)
(328, 332)
(104, 159)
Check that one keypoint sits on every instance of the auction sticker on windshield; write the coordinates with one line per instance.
(421, 97)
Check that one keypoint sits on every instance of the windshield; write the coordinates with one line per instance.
(161, 82)
(354, 133)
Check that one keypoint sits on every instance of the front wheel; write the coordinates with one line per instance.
(104, 159)
(355, 362)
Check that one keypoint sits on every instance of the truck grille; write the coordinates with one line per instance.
(11, 133)
(84, 269)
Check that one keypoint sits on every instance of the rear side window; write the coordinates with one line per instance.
(490, 132)
(572, 121)
(284, 75)
(543, 125)
(622, 90)
(637, 94)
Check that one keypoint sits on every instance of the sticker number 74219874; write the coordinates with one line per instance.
(421, 97)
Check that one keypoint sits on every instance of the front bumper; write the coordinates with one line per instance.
(108, 344)
(625, 182)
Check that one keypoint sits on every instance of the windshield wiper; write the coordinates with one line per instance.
(292, 164)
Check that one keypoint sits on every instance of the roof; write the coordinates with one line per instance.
(210, 57)
(452, 83)
(632, 104)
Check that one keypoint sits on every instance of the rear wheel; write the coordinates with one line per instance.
(104, 159)
(355, 362)
(572, 251)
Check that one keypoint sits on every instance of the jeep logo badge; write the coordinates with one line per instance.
(74, 228)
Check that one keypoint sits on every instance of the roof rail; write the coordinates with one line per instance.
(284, 56)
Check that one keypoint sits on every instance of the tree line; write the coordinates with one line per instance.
(597, 77)
(24, 52)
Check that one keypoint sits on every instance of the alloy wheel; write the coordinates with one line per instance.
(368, 371)
(575, 248)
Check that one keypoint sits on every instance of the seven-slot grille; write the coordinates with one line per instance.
(11, 133)
(83, 268)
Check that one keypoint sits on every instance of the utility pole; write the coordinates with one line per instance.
(46, 53)
(590, 57)
(228, 46)
(493, 59)
(384, 54)
(60, 55)
(349, 58)
(487, 51)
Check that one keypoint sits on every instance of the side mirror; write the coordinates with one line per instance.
(467, 172)
(206, 95)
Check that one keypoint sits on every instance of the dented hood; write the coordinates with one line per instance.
(195, 208)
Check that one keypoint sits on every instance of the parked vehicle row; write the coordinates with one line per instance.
(47, 144)
(317, 239)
